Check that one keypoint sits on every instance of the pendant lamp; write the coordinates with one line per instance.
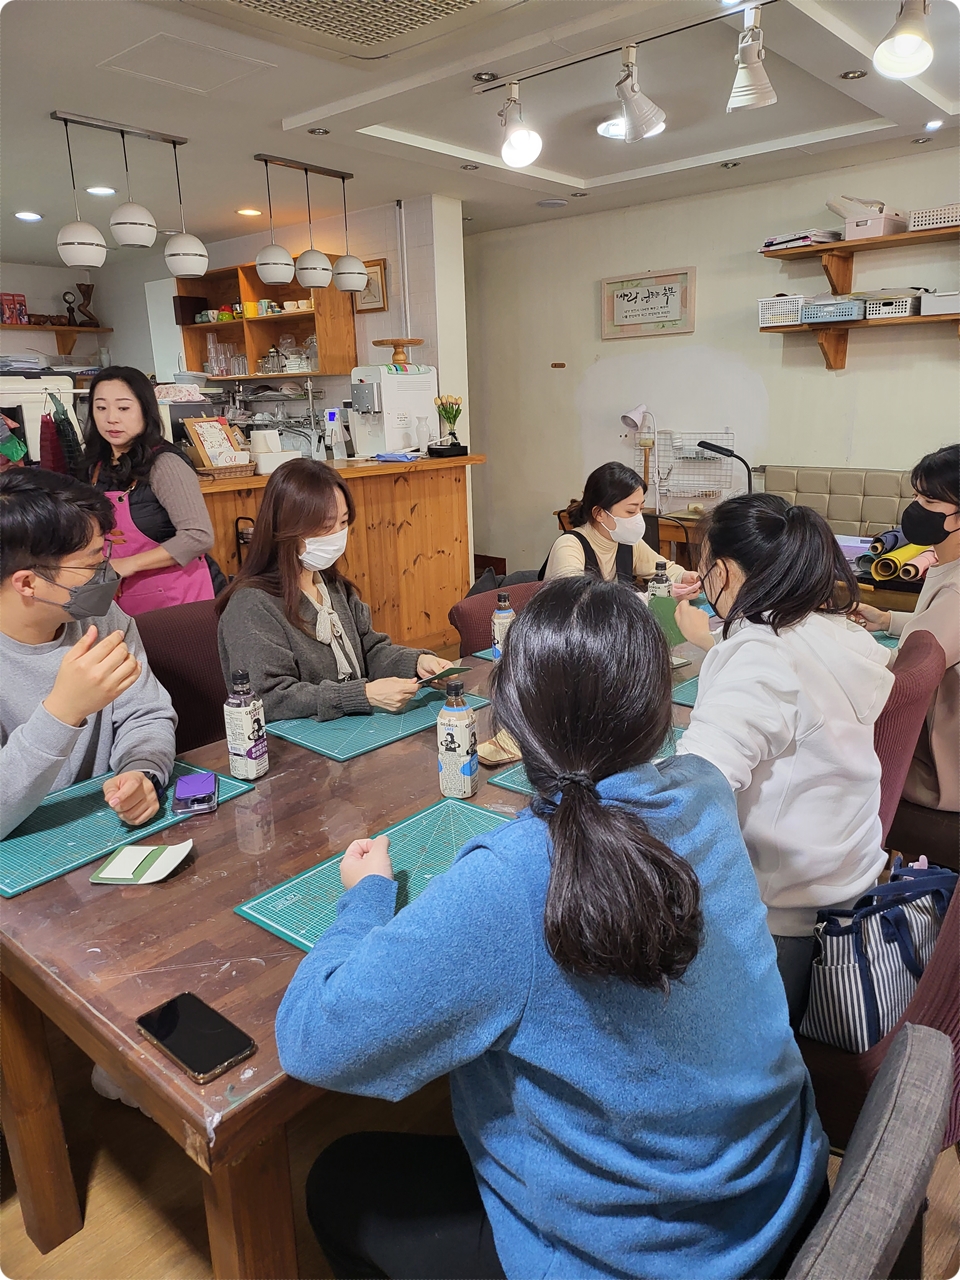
(185, 255)
(132, 224)
(521, 145)
(641, 117)
(349, 273)
(313, 267)
(751, 86)
(79, 244)
(274, 264)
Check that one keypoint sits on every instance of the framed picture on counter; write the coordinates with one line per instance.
(374, 296)
(647, 304)
(216, 442)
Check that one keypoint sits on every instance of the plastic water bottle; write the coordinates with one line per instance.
(503, 615)
(457, 762)
(660, 583)
(246, 730)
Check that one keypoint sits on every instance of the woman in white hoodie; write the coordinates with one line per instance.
(785, 710)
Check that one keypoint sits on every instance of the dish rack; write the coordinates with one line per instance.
(686, 473)
(877, 308)
(782, 310)
(820, 312)
(946, 215)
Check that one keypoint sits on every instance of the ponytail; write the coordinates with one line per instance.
(792, 563)
(584, 688)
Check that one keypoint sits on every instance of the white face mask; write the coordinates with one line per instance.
(629, 530)
(321, 553)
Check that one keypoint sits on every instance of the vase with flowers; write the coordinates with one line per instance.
(449, 408)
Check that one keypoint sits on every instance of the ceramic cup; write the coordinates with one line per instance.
(290, 306)
(305, 304)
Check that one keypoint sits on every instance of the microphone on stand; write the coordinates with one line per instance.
(728, 453)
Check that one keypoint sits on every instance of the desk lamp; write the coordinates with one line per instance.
(728, 453)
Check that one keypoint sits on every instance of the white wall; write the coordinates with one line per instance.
(43, 288)
(533, 298)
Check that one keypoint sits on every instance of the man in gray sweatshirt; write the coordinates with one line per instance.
(77, 698)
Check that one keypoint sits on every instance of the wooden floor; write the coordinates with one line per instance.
(143, 1202)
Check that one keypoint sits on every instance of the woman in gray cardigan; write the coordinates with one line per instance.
(296, 624)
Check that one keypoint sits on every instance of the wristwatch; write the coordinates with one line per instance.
(158, 786)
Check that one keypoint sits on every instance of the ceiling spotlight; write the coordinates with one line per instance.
(319, 131)
(521, 145)
(853, 75)
(551, 204)
(730, 164)
(615, 128)
(906, 50)
(249, 213)
(641, 117)
(933, 125)
(486, 77)
(27, 216)
(470, 168)
(101, 191)
(751, 86)
(579, 195)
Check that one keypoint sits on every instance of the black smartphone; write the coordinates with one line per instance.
(198, 1039)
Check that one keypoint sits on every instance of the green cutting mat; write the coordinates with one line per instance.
(888, 641)
(515, 778)
(352, 736)
(486, 654)
(421, 847)
(685, 693)
(76, 825)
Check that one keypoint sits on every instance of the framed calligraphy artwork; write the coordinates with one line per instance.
(653, 302)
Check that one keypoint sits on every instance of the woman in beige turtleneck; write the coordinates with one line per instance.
(934, 520)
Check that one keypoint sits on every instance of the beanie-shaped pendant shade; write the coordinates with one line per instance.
(274, 264)
(349, 273)
(186, 256)
(132, 224)
(313, 267)
(80, 244)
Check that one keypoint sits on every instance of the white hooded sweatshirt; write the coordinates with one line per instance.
(788, 720)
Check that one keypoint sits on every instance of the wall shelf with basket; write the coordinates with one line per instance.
(326, 315)
(781, 315)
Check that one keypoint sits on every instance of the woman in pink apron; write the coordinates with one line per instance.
(163, 529)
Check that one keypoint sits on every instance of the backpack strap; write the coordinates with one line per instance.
(591, 565)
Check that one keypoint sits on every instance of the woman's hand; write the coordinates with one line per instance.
(694, 624)
(125, 567)
(687, 587)
(366, 858)
(871, 618)
(428, 664)
(391, 693)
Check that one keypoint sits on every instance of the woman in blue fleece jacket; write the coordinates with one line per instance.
(599, 980)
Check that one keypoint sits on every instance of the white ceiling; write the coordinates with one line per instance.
(404, 114)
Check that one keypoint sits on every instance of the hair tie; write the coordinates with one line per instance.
(576, 781)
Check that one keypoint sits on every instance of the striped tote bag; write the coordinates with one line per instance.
(871, 957)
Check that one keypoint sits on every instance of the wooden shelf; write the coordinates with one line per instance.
(66, 334)
(213, 324)
(286, 315)
(832, 335)
(847, 248)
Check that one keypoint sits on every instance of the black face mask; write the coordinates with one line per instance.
(703, 587)
(91, 599)
(922, 527)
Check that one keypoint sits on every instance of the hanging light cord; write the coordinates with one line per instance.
(266, 170)
(346, 228)
(126, 167)
(73, 180)
(306, 179)
(176, 165)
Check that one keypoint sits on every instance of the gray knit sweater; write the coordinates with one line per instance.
(296, 675)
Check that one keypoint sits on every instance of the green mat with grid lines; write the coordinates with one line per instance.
(515, 778)
(421, 847)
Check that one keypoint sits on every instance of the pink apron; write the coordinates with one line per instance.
(155, 588)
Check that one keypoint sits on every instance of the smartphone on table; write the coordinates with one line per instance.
(195, 793)
(197, 1038)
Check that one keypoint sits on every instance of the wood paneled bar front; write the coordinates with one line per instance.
(409, 549)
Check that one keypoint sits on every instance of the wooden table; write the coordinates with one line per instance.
(409, 549)
(93, 958)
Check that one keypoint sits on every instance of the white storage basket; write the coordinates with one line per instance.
(821, 312)
(877, 308)
(947, 215)
(782, 310)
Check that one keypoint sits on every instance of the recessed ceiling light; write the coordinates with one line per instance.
(933, 125)
(730, 164)
(921, 141)
(470, 167)
(859, 74)
(27, 216)
(319, 131)
(551, 204)
(579, 195)
(101, 191)
(250, 213)
(466, 219)
(486, 77)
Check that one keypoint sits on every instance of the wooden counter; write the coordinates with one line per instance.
(408, 551)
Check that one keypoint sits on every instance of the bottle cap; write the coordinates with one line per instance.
(503, 597)
(454, 688)
(240, 677)
(661, 566)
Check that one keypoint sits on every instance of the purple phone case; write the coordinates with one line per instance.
(195, 784)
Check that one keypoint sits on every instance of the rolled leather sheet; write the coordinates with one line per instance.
(919, 565)
(889, 565)
(888, 541)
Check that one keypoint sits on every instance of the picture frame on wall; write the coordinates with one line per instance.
(374, 296)
(648, 304)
